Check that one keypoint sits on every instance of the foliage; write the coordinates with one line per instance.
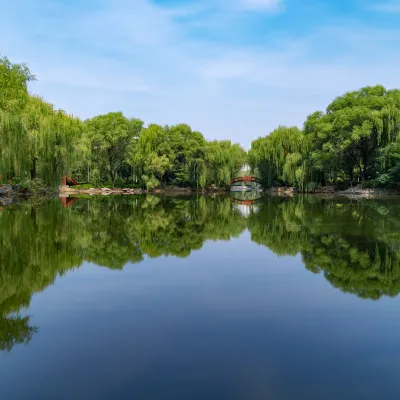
(279, 157)
(109, 136)
(178, 155)
(355, 139)
(38, 141)
(35, 139)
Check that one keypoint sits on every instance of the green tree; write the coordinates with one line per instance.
(280, 157)
(109, 136)
(223, 161)
(50, 139)
(14, 80)
(13, 98)
(353, 128)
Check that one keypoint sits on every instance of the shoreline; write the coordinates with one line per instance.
(354, 193)
(8, 194)
(129, 191)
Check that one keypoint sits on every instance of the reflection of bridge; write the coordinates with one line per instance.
(246, 179)
(68, 201)
(245, 207)
(245, 202)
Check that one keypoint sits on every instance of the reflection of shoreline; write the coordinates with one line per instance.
(59, 235)
(238, 198)
(354, 244)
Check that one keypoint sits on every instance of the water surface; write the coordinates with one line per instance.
(200, 298)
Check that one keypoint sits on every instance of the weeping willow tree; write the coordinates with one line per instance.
(223, 161)
(35, 139)
(279, 157)
(50, 139)
(13, 99)
(180, 156)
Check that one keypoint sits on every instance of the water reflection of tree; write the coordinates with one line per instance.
(40, 241)
(355, 244)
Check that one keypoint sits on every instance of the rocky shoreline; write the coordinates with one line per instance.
(171, 190)
(353, 192)
(356, 192)
(9, 192)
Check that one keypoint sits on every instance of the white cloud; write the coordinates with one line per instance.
(263, 5)
(386, 6)
(141, 59)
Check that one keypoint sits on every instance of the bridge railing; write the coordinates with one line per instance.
(244, 179)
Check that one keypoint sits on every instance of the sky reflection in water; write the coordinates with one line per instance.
(167, 298)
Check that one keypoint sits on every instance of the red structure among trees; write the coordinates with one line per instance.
(244, 179)
(68, 201)
(66, 180)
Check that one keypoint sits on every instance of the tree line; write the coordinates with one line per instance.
(356, 140)
(38, 141)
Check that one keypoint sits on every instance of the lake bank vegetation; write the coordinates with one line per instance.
(354, 141)
(40, 142)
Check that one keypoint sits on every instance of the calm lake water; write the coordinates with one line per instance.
(200, 298)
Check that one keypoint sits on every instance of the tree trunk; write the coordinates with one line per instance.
(33, 169)
(112, 176)
(364, 173)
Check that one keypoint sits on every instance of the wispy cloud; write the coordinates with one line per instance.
(391, 6)
(237, 79)
(263, 5)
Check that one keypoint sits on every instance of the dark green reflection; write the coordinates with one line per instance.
(40, 241)
(356, 245)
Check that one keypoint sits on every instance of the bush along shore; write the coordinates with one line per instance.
(11, 192)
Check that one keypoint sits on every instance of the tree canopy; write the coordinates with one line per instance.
(354, 140)
(38, 141)
(35, 139)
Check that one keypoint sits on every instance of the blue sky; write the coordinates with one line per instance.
(232, 69)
